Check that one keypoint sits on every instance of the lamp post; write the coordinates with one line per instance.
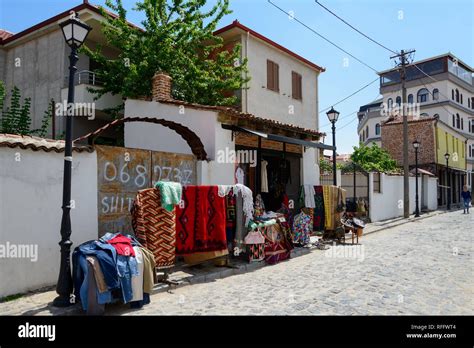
(448, 190)
(332, 116)
(75, 33)
(416, 145)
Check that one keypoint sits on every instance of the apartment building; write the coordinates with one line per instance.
(368, 127)
(36, 61)
(440, 87)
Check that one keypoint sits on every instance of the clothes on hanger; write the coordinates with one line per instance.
(309, 196)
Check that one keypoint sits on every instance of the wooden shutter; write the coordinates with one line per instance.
(296, 87)
(273, 82)
(270, 76)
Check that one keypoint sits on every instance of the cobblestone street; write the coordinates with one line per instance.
(423, 267)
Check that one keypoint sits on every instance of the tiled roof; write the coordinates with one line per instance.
(411, 119)
(4, 34)
(251, 117)
(38, 144)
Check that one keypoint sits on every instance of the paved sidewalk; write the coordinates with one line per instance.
(420, 267)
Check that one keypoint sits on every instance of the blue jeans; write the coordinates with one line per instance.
(466, 203)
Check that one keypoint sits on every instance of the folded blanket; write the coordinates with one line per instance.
(170, 193)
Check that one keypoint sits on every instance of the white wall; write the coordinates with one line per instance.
(310, 167)
(30, 212)
(156, 137)
(388, 204)
(275, 105)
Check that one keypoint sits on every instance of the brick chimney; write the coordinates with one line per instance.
(161, 86)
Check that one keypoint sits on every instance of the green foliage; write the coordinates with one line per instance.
(43, 130)
(177, 39)
(16, 119)
(325, 166)
(373, 158)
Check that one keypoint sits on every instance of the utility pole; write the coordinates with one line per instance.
(406, 188)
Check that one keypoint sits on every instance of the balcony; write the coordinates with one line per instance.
(84, 80)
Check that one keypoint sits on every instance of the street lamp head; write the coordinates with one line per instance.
(446, 155)
(332, 115)
(75, 31)
(416, 144)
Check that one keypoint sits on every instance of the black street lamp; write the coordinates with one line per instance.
(416, 145)
(448, 190)
(332, 116)
(75, 33)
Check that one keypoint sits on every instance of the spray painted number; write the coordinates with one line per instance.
(174, 174)
(123, 176)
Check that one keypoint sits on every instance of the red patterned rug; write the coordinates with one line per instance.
(200, 221)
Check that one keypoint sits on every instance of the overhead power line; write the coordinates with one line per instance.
(354, 28)
(322, 37)
(340, 101)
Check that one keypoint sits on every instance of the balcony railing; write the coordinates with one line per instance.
(84, 77)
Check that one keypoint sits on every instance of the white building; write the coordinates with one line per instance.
(369, 123)
(447, 93)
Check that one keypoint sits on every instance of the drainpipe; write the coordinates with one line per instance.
(246, 73)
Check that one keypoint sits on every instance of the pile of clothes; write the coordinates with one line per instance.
(114, 268)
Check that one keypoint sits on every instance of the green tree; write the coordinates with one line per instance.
(373, 158)
(325, 166)
(45, 122)
(177, 39)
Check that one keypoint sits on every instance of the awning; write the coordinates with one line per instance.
(279, 138)
(422, 171)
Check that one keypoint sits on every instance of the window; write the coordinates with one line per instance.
(457, 95)
(410, 98)
(367, 131)
(452, 94)
(461, 99)
(435, 94)
(458, 121)
(472, 103)
(468, 102)
(377, 129)
(454, 121)
(390, 103)
(462, 123)
(436, 116)
(273, 82)
(296, 86)
(398, 101)
(376, 181)
(422, 95)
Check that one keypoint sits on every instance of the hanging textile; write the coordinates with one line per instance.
(170, 193)
(247, 204)
(201, 222)
(277, 247)
(302, 227)
(240, 176)
(230, 206)
(155, 227)
(264, 177)
(309, 196)
(318, 215)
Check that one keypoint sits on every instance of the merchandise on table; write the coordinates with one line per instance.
(155, 226)
(277, 247)
(255, 242)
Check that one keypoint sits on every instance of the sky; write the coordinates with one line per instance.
(432, 27)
